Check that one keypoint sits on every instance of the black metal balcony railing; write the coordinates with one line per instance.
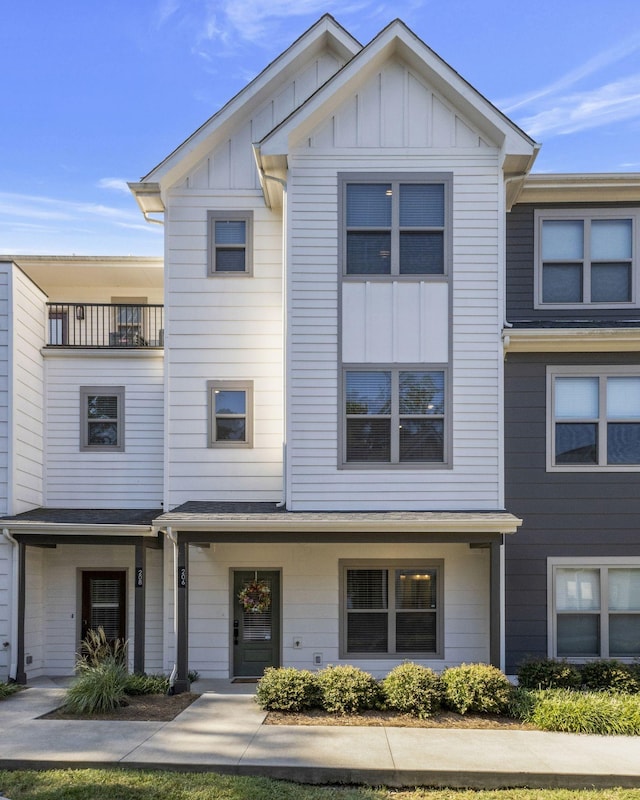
(105, 325)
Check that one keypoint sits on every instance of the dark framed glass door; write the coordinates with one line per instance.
(255, 632)
(104, 602)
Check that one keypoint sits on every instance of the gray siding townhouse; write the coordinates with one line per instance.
(572, 419)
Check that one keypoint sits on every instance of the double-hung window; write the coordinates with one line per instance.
(102, 418)
(395, 227)
(391, 608)
(394, 416)
(586, 258)
(596, 608)
(594, 418)
(230, 248)
(230, 413)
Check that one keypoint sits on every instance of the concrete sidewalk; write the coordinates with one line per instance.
(222, 731)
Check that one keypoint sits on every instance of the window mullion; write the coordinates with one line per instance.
(391, 610)
(395, 228)
(604, 612)
(602, 421)
(586, 265)
(395, 417)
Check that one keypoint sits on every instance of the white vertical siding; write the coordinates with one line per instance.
(130, 479)
(310, 605)
(27, 393)
(5, 277)
(222, 328)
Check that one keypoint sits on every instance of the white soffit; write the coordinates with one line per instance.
(571, 340)
(615, 187)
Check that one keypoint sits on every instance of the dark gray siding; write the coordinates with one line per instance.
(520, 275)
(579, 514)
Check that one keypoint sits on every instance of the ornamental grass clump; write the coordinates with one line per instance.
(602, 713)
(346, 689)
(146, 684)
(287, 689)
(548, 673)
(98, 689)
(477, 688)
(412, 689)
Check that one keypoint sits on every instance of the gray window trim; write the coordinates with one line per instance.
(244, 216)
(394, 368)
(443, 178)
(392, 564)
(587, 215)
(592, 562)
(212, 387)
(586, 371)
(104, 391)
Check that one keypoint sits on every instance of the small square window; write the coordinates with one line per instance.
(230, 250)
(230, 413)
(102, 418)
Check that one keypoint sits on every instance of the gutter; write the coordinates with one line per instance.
(174, 672)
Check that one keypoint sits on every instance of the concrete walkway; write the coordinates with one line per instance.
(222, 731)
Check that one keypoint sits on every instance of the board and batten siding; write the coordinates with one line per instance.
(577, 514)
(475, 358)
(129, 479)
(310, 607)
(223, 327)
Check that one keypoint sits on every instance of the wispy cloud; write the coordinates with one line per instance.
(117, 184)
(568, 105)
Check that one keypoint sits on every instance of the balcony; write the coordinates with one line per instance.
(106, 325)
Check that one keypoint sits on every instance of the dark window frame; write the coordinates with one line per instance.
(213, 246)
(118, 392)
(215, 386)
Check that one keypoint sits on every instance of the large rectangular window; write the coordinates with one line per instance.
(394, 416)
(392, 608)
(586, 258)
(395, 226)
(596, 609)
(102, 418)
(230, 237)
(230, 413)
(594, 418)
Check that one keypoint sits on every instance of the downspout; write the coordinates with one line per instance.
(174, 672)
(145, 214)
(13, 668)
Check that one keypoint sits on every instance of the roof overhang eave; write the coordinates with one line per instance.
(571, 340)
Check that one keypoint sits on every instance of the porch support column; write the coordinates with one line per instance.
(21, 675)
(182, 588)
(495, 610)
(139, 611)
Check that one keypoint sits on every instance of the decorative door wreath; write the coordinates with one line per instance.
(255, 597)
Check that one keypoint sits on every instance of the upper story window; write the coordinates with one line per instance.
(586, 258)
(394, 416)
(395, 226)
(102, 418)
(230, 237)
(230, 413)
(594, 418)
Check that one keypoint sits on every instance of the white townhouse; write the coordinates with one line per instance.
(296, 459)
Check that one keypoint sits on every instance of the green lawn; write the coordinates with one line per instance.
(91, 784)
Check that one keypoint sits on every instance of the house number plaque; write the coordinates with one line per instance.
(139, 578)
(182, 577)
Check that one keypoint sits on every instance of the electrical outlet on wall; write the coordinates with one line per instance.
(297, 642)
(317, 659)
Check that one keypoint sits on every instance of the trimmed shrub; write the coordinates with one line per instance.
(476, 687)
(610, 675)
(601, 713)
(98, 688)
(412, 689)
(344, 689)
(287, 689)
(146, 684)
(548, 673)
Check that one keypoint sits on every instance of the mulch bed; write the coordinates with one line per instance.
(138, 708)
(390, 719)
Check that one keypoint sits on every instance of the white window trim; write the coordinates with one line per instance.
(586, 371)
(231, 216)
(586, 561)
(247, 388)
(101, 391)
(391, 565)
(557, 214)
(440, 178)
(396, 465)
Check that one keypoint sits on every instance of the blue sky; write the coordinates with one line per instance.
(96, 94)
